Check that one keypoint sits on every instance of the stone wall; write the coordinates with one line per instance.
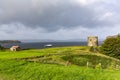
(93, 41)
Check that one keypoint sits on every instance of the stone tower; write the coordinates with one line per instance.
(93, 41)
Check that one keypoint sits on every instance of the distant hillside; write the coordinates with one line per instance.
(50, 40)
(10, 41)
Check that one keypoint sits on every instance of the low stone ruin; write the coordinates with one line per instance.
(15, 48)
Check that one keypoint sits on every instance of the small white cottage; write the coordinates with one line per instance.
(15, 48)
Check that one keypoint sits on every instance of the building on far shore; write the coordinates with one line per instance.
(93, 41)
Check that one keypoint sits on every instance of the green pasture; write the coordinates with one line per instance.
(60, 63)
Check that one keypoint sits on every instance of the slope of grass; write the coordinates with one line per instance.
(22, 70)
(41, 52)
(61, 63)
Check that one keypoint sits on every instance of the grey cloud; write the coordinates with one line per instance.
(49, 14)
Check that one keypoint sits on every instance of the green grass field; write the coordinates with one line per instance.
(61, 63)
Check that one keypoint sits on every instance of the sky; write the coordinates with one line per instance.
(58, 19)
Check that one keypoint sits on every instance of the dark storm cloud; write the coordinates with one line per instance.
(49, 14)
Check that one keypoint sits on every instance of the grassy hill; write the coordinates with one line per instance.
(62, 63)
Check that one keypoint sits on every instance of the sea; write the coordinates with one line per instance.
(40, 45)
